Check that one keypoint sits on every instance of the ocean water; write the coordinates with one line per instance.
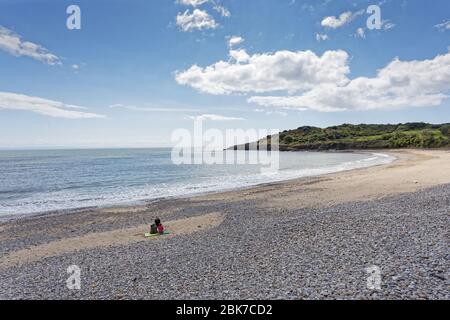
(41, 181)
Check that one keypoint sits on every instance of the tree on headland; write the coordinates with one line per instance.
(366, 136)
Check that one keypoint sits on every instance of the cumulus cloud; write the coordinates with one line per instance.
(214, 117)
(56, 109)
(343, 19)
(280, 71)
(235, 40)
(303, 80)
(443, 26)
(194, 3)
(400, 84)
(337, 22)
(198, 19)
(13, 43)
(240, 56)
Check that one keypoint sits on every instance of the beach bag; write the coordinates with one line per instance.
(153, 229)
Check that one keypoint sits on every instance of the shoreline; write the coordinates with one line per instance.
(144, 202)
(359, 184)
(401, 157)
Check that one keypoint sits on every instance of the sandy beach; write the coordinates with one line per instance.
(309, 238)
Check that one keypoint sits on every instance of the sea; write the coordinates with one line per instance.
(43, 181)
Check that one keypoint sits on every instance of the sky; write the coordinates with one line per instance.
(137, 70)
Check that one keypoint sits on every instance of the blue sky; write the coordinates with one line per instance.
(128, 76)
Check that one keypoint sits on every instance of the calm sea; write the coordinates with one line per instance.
(41, 181)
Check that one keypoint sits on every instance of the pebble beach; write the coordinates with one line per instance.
(305, 239)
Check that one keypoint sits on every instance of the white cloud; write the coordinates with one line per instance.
(240, 56)
(198, 19)
(303, 80)
(401, 84)
(214, 117)
(15, 45)
(194, 3)
(337, 22)
(343, 19)
(235, 40)
(290, 102)
(321, 37)
(151, 109)
(443, 26)
(360, 33)
(14, 101)
(281, 113)
(283, 70)
(224, 12)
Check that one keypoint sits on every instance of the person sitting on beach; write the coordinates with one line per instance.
(154, 227)
(157, 227)
(160, 229)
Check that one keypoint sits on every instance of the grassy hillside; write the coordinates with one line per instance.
(366, 136)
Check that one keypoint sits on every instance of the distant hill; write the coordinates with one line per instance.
(362, 136)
